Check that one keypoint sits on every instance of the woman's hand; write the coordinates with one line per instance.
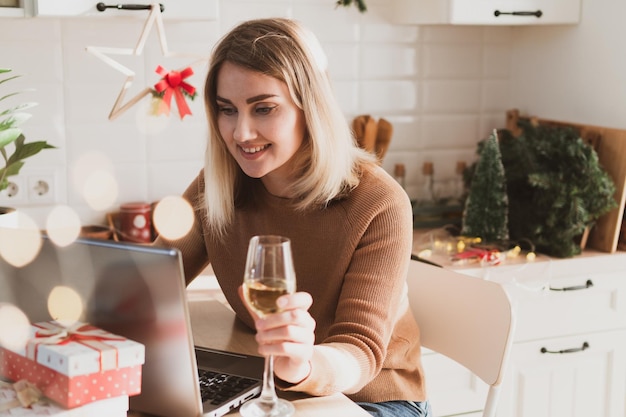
(288, 335)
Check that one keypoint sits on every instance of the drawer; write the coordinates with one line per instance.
(557, 377)
(552, 298)
(572, 305)
(482, 12)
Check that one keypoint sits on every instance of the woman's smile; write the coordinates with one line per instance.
(253, 150)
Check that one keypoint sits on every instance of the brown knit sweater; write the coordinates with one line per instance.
(352, 257)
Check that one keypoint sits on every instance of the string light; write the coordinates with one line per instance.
(469, 249)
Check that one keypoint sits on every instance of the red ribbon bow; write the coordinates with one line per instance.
(58, 335)
(87, 335)
(172, 83)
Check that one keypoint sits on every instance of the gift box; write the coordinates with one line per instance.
(76, 365)
(10, 406)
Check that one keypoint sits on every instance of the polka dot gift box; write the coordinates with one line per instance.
(76, 365)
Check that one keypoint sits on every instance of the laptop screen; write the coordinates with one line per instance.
(140, 295)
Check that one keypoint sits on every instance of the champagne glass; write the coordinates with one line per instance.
(269, 274)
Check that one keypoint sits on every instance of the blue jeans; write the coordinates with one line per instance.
(398, 409)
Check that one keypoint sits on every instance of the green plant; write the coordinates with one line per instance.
(358, 3)
(11, 134)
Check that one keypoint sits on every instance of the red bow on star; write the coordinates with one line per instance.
(172, 84)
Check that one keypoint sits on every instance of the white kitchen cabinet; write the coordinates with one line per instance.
(485, 12)
(173, 9)
(569, 352)
(23, 9)
(586, 378)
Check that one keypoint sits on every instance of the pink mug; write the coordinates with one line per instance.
(136, 222)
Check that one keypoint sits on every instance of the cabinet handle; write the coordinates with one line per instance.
(538, 13)
(584, 286)
(571, 350)
(102, 7)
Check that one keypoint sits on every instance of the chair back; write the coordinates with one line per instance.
(467, 319)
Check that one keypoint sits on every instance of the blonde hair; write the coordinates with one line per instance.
(329, 163)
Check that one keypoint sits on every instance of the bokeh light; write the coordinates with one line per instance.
(20, 243)
(65, 305)
(173, 217)
(63, 225)
(93, 176)
(100, 190)
(14, 327)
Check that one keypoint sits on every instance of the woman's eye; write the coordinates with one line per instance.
(227, 110)
(265, 109)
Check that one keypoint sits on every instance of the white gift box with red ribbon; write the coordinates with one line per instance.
(76, 365)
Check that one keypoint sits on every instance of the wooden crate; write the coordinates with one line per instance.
(610, 144)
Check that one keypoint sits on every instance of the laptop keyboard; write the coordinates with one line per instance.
(218, 387)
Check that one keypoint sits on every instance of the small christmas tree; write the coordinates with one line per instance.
(486, 207)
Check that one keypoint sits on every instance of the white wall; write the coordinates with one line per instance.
(443, 88)
(574, 73)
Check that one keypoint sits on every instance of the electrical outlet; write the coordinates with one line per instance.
(12, 189)
(15, 193)
(42, 188)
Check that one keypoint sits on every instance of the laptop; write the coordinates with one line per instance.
(139, 292)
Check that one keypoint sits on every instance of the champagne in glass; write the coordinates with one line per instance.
(269, 273)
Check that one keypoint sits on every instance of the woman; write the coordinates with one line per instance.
(282, 160)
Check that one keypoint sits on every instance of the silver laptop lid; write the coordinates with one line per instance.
(141, 295)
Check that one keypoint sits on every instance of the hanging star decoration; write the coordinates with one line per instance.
(172, 83)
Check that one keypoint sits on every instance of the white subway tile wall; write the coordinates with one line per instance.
(443, 88)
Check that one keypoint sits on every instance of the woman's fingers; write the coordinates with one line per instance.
(301, 300)
(295, 326)
(296, 317)
(297, 332)
(291, 346)
(288, 334)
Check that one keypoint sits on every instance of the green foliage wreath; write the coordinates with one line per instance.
(555, 184)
